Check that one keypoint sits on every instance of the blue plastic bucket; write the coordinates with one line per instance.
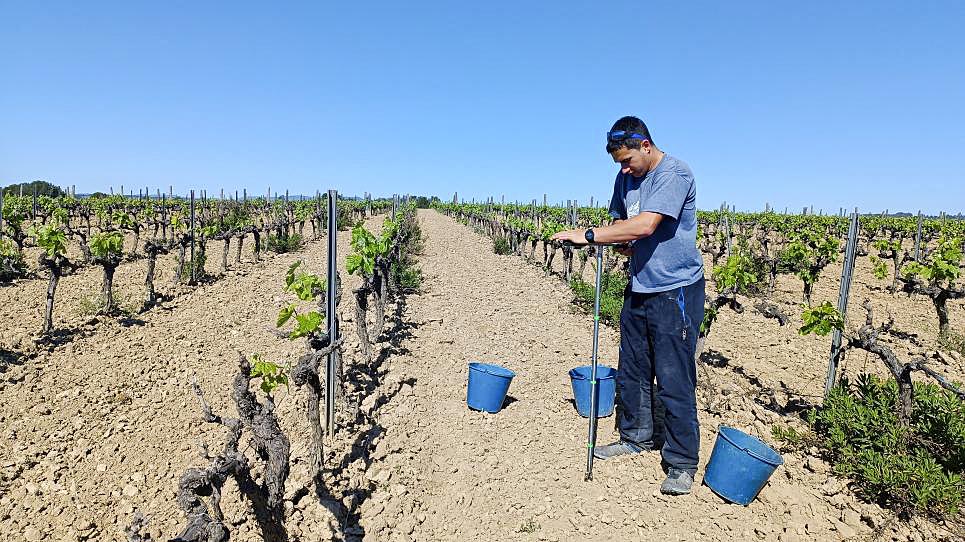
(488, 385)
(606, 384)
(740, 465)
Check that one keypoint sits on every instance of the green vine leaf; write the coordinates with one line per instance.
(272, 375)
(285, 314)
(306, 324)
(821, 320)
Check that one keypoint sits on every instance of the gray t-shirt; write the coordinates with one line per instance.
(669, 258)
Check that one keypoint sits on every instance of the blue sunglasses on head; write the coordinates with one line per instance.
(620, 135)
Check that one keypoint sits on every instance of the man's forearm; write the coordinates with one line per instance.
(624, 231)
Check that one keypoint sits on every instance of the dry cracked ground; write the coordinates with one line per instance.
(105, 424)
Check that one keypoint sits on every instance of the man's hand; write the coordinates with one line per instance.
(626, 250)
(577, 237)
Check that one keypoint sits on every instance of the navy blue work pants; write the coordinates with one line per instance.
(657, 377)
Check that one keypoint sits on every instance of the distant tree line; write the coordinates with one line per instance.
(423, 202)
(43, 189)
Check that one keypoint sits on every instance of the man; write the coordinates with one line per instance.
(654, 208)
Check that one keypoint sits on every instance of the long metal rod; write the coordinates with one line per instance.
(330, 384)
(594, 391)
(849, 253)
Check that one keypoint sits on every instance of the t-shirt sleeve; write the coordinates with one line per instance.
(618, 210)
(668, 195)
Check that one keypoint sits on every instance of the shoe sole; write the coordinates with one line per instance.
(675, 493)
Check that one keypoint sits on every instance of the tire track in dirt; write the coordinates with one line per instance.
(447, 473)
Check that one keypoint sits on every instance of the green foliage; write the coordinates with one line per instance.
(43, 189)
(406, 233)
(807, 252)
(177, 223)
(821, 320)
(305, 286)
(915, 470)
(501, 245)
(878, 267)
(736, 275)
(406, 277)
(272, 375)
(306, 324)
(209, 231)
(106, 244)
(366, 248)
(59, 216)
(283, 244)
(125, 304)
(529, 526)
(50, 238)
(200, 260)
(550, 227)
(390, 228)
(710, 315)
(285, 314)
(941, 265)
(952, 341)
(237, 218)
(423, 202)
(11, 261)
(887, 245)
(612, 286)
(121, 219)
(791, 437)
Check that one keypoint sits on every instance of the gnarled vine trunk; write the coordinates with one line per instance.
(107, 290)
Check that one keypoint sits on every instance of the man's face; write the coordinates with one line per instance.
(632, 161)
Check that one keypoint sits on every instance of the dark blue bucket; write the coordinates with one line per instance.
(607, 389)
(740, 465)
(488, 385)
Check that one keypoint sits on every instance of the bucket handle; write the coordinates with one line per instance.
(760, 458)
(750, 452)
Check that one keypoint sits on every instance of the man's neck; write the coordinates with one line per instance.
(654, 161)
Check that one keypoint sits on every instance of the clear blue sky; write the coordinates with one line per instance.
(824, 103)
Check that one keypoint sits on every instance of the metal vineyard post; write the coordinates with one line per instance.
(846, 270)
(330, 386)
(193, 274)
(918, 238)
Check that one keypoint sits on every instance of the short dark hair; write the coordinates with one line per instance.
(628, 124)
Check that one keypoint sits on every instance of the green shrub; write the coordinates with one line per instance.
(282, 245)
(200, 259)
(406, 276)
(918, 470)
(612, 286)
(501, 246)
(404, 273)
(952, 341)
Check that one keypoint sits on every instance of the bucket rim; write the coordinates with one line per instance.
(574, 374)
(752, 453)
(491, 369)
